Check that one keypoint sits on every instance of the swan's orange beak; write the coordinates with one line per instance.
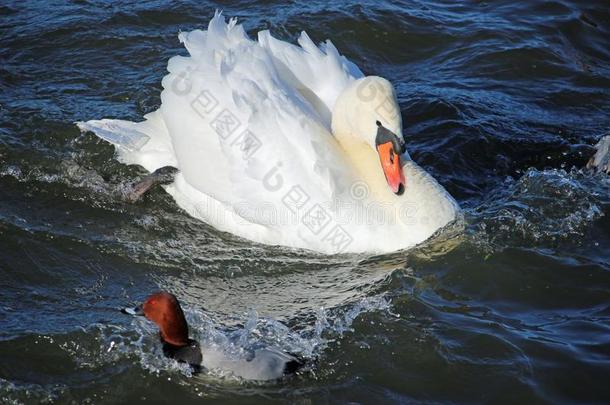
(392, 167)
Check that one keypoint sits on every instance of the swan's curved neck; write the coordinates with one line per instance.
(354, 127)
(365, 162)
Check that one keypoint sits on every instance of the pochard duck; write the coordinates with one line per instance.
(164, 310)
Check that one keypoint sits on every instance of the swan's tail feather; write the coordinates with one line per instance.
(120, 133)
(145, 143)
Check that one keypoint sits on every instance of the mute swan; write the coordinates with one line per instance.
(283, 145)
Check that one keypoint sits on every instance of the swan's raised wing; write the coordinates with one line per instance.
(319, 73)
(245, 135)
(241, 133)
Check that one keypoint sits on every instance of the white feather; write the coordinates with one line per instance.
(231, 92)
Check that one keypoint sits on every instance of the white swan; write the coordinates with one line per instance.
(284, 145)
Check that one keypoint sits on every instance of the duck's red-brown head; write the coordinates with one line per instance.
(164, 309)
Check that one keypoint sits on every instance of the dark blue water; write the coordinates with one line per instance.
(501, 102)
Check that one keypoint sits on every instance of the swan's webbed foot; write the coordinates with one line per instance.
(600, 162)
(162, 176)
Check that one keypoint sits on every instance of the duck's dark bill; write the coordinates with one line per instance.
(135, 311)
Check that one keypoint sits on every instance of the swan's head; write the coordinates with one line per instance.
(368, 111)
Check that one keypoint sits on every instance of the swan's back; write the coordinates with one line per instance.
(240, 116)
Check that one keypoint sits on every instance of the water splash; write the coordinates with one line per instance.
(27, 393)
(236, 342)
(542, 208)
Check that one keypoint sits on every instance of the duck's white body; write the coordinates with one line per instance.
(265, 364)
(269, 141)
